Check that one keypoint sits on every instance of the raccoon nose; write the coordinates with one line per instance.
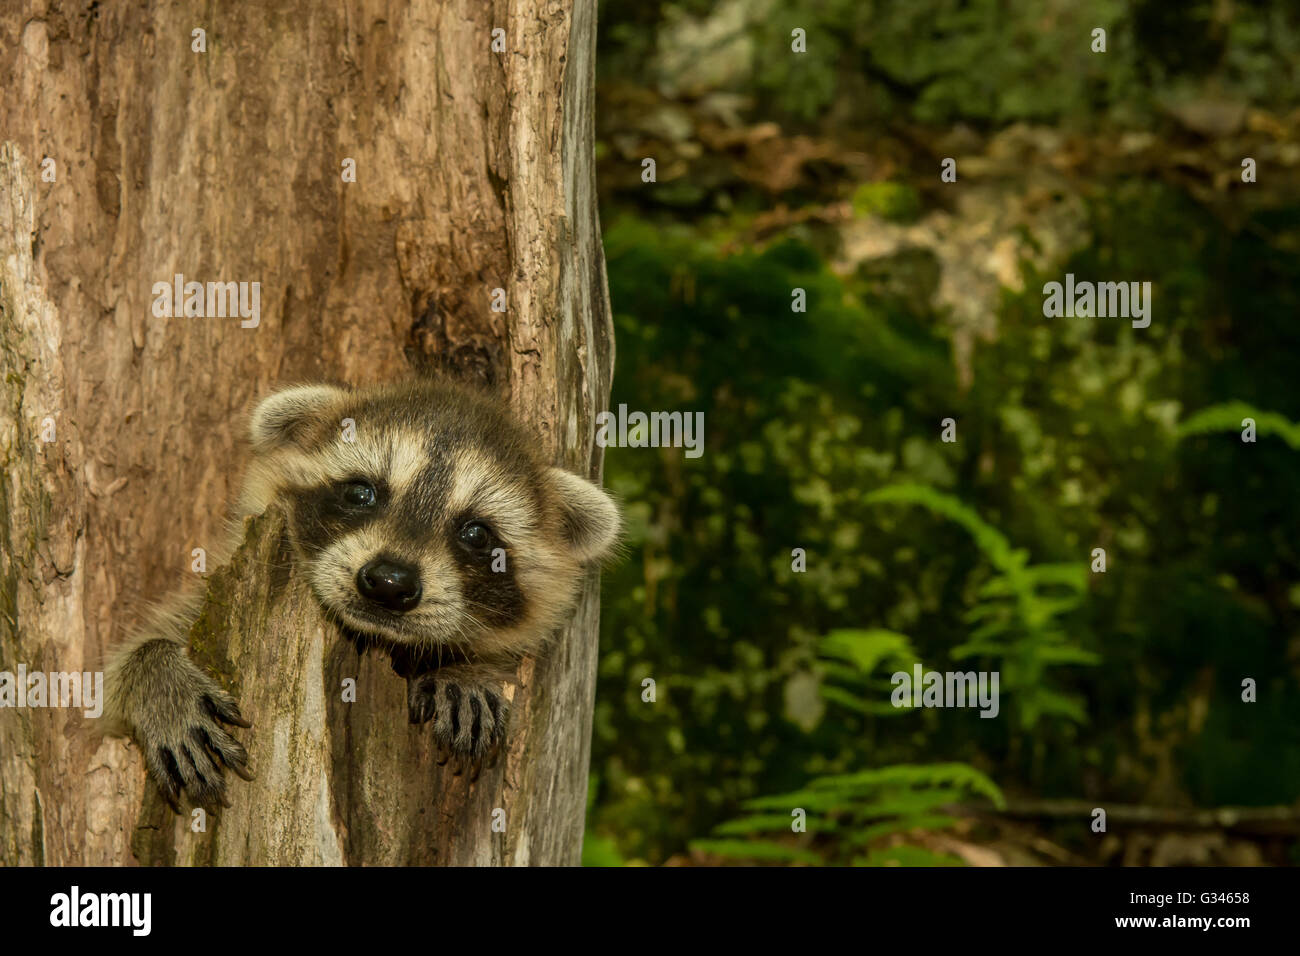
(395, 586)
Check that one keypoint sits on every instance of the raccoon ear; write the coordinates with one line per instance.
(590, 517)
(279, 418)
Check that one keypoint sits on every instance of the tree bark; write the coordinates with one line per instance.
(474, 172)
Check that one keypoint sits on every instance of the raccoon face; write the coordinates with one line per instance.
(424, 514)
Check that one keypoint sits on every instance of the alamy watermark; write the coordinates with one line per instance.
(179, 298)
(1127, 300)
(656, 430)
(75, 908)
(82, 690)
(947, 689)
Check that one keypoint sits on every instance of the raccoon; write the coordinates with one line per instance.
(428, 526)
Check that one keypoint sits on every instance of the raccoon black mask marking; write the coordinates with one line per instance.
(428, 525)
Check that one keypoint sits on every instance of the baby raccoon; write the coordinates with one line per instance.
(428, 525)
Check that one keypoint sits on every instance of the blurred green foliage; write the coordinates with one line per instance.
(852, 812)
(893, 201)
(1067, 441)
(1014, 617)
(983, 61)
(1234, 416)
(822, 434)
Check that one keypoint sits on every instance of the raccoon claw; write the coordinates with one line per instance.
(165, 769)
(420, 693)
(469, 719)
(168, 786)
(187, 751)
(490, 762)
(224, 709)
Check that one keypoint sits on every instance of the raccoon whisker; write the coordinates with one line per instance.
(464, 618)
(461, 637)
(478, 604)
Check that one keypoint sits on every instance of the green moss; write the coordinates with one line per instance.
(896, 202)
(227, 602)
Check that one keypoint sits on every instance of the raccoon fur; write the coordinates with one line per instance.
(428, 526)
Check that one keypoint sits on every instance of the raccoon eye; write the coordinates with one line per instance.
(475, 536)
(359, 494)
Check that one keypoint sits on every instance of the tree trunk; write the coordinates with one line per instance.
(473, 172)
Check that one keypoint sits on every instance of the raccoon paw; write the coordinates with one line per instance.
(469, 717)
(185, 745)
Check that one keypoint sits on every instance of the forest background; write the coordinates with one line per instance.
(1122, 690)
